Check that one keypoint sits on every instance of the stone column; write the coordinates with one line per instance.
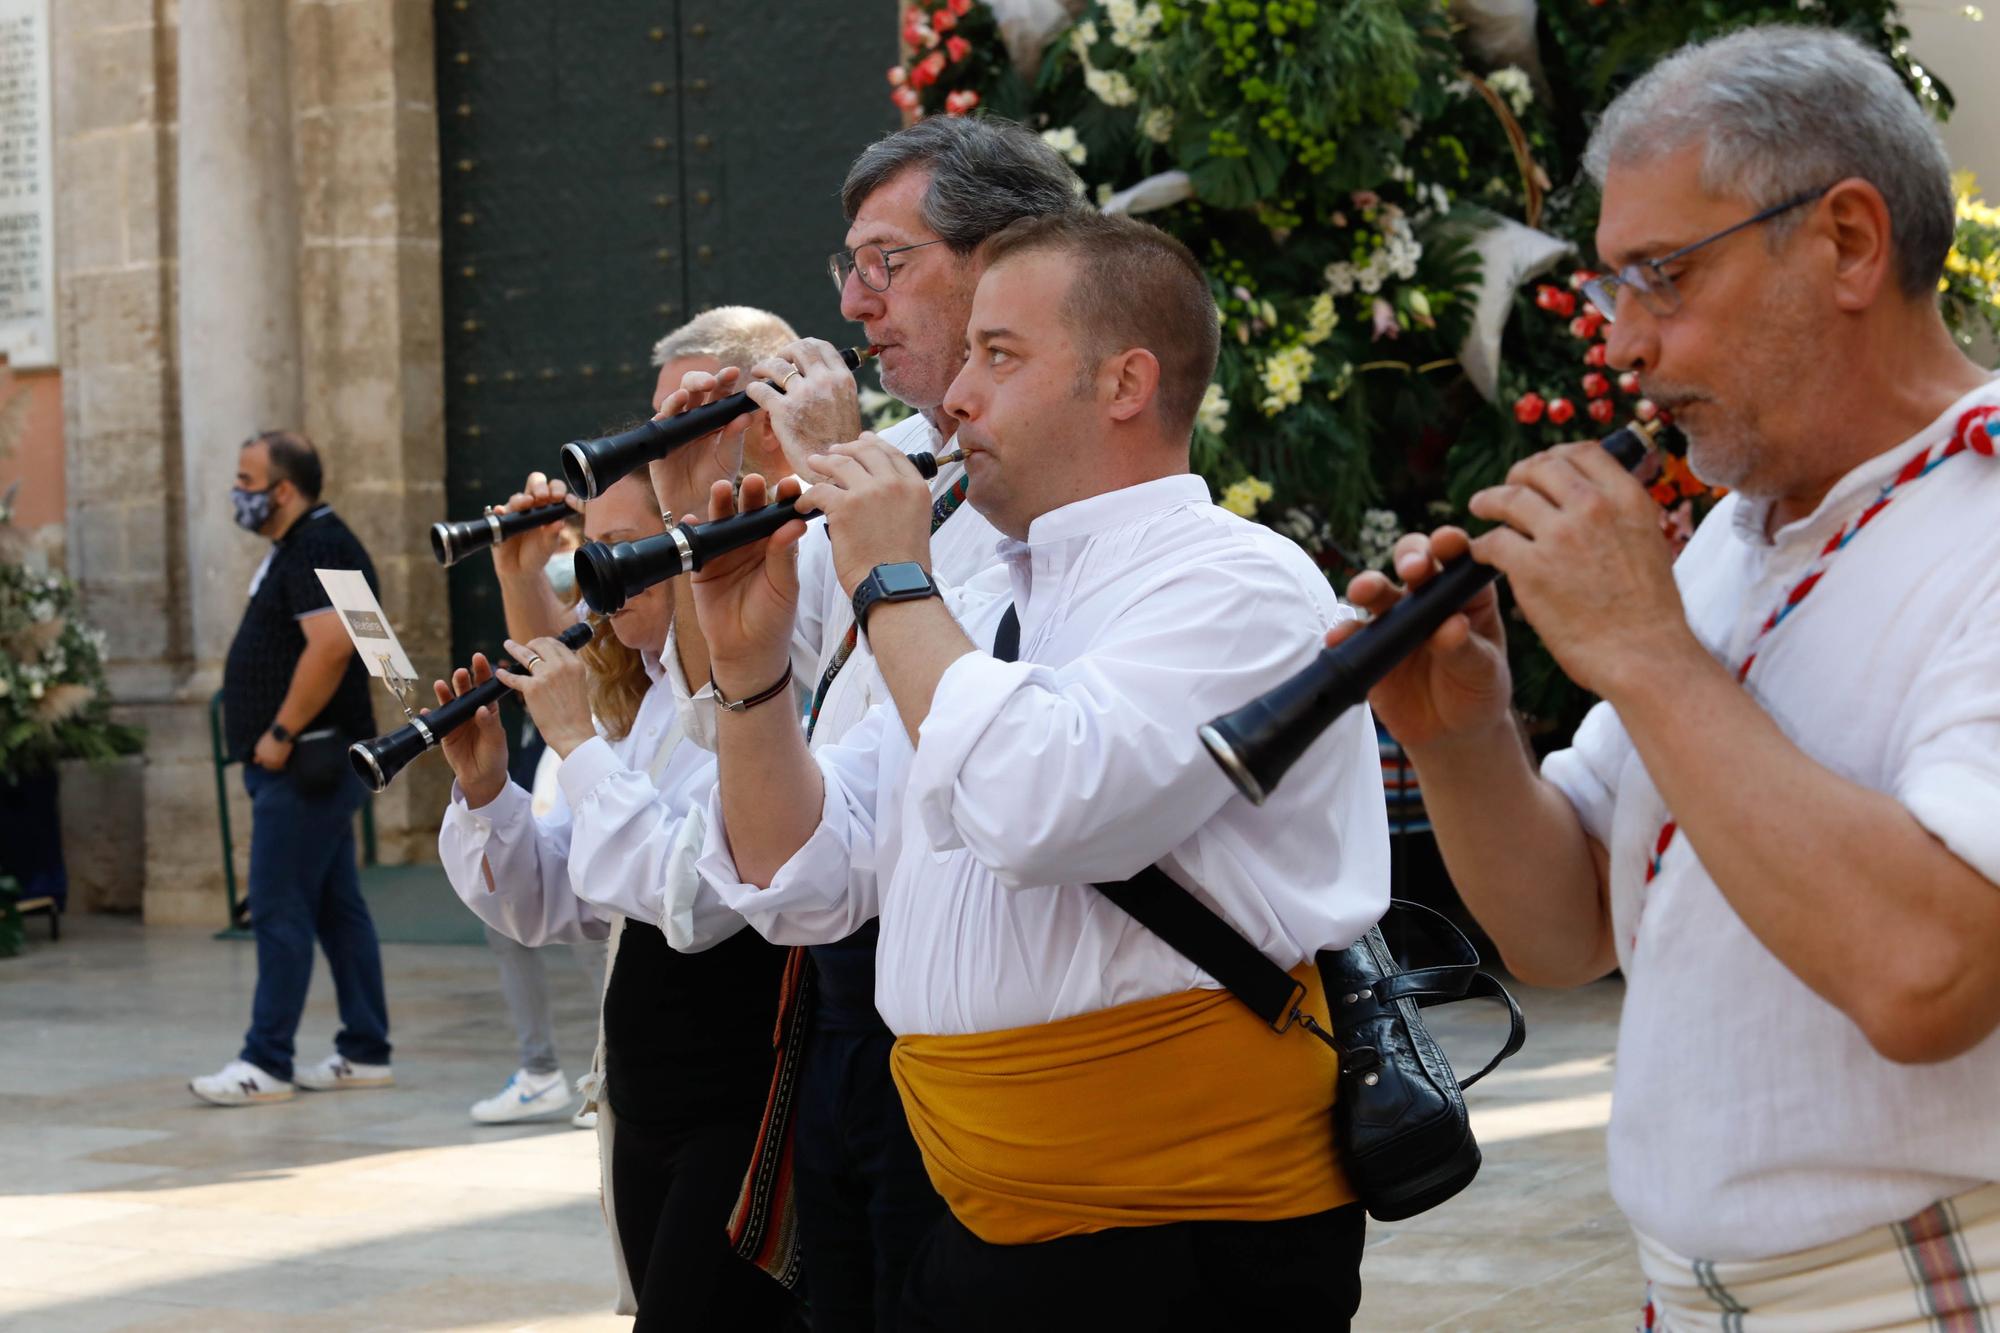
(239, 295)
(115, 276)
(363, 94)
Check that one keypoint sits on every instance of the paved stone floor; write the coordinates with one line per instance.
(126, 1205)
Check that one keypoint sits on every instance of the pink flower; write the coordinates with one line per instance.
(959, 7)
(1366, 199)
(959, 103)
(1385, 320)
(905, 98)
(897, 76)
(944, 20)
(958, 48)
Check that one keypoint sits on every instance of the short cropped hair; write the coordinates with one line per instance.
(985, 173)
(1781, 111)
(735, 335)
(293, 459)
(1135, 286)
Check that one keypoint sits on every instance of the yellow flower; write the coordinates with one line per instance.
(1245, 497)
(1285, 374)
(1320, 320)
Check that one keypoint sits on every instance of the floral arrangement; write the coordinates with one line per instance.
(1342, 168)
(53, 703)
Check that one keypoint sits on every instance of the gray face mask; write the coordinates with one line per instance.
(253, 508)
(561, 573)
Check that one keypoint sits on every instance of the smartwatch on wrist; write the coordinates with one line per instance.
(904, 581)
(280, 734)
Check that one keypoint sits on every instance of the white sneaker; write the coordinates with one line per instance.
(240, 1083)
(524, 1096)
(337, 1074)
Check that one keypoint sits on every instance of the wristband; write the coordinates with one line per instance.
(762, 696)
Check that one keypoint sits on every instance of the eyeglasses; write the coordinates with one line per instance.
(1648, 281)
(871, 262)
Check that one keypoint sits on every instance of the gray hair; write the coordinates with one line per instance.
(985, 173)
(1781, 111)
(735, 335)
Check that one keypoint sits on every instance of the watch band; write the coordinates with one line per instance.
(871, 593)
(280, 733)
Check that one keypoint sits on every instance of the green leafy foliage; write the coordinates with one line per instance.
(1343, 158)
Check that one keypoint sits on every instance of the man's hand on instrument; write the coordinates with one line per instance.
(682, 478)
(1458, 682)
(529, 552)
(1582, 550)
(476, 750)
(877, 506)
(812, 400)
(746, 599)
(554, 685)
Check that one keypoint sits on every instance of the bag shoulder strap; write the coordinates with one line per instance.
(1210, 943)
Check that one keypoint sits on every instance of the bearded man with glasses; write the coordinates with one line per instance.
(1783, 822)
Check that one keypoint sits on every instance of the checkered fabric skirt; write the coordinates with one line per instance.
(1936, 1272)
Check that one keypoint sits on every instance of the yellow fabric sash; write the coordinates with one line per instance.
(1181, 1108)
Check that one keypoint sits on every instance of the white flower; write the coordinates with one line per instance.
(1065, 142)
(1104, 193)
(1081, 38)
(1285, 374)
(1132, 27)
(1320, 320)
(1377, 539)
(1158, 124)
(41, 611)
(1340, 279)
(1109, 86)
(6, 687)
(1213, 414)
(1514, 87)
(34, 689)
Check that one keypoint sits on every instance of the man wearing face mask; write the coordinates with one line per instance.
(294, 697)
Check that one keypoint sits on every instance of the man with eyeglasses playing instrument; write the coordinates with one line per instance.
(919, 204)
(1783, 822)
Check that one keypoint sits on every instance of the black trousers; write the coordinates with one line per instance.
(865, 1203)
(673, 1190)
(1303, 1272)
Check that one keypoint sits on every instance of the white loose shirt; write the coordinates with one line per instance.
(620, 840)
(1143, 613)
(962, 546)
(1750, 1117)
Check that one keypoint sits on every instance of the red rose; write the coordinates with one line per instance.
(959, 7)
(1578, 278)
(897, 76)
(1601, 411)
(1528, 408)
(1595, 385)
(1547, 297)
(1562, 411)
(1595, 355)
(905, 98)
(1629, 382)
(958, 48)
(958, 103)
(1565, 304)
(1645, 409)
(944, 21)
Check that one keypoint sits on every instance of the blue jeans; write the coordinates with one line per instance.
(303, 883)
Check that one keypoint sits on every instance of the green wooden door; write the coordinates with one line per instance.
(610, 167)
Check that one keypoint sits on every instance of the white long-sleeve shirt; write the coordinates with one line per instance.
(1750, 1117)
(1143, 613)
(621, 839)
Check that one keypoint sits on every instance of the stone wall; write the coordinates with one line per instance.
(304, 176)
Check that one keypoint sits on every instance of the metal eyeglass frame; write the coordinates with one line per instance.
(1648, 278)
(842, 262)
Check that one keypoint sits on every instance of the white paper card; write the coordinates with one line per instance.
(366, 623)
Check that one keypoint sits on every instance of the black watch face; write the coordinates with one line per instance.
(902, 580)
